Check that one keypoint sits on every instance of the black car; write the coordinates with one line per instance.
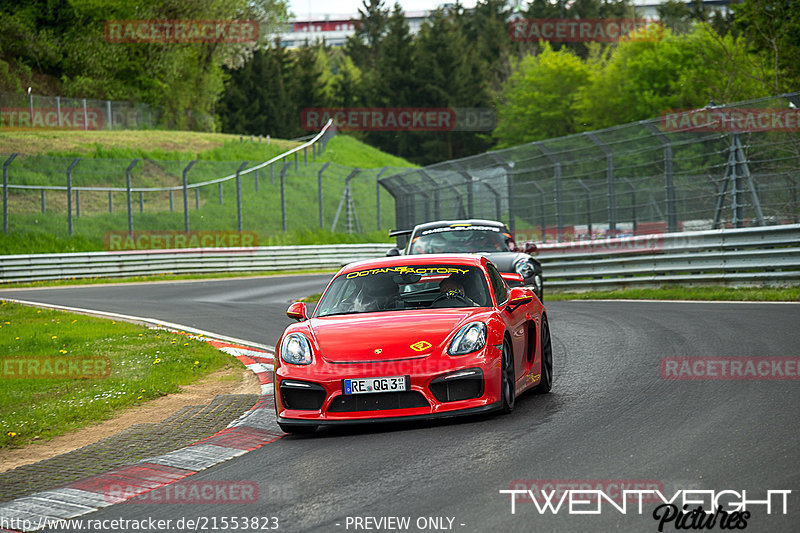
(485, 237)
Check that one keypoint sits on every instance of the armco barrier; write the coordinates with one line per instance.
(764, 255)
(40, 267)
(746, 256)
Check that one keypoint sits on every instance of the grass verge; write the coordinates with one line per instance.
(144, 363)
(716, 292)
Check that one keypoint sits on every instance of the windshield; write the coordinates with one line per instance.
(460, 239)
(405, 287)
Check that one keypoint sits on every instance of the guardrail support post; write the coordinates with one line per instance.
(219, 193)
(283, 196)
(319, 190)
(128, 191)
(239, 194)
(43, 206)
(69, 194)
(5, 191)
(111, 202)
(171, 205)
(378, 198)
(186, 197)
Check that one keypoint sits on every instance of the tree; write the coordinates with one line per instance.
(772, 28)
(538, 100)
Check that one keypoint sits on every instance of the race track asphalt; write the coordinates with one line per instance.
(611, 416)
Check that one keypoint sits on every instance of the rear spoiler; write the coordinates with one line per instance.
(398, 232)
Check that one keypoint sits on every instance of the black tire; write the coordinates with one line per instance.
(507, 379)
(546, 383)
(294, 429)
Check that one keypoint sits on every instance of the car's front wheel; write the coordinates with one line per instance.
(298, 429)
(507, 379)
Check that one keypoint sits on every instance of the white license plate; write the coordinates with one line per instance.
(372, 385)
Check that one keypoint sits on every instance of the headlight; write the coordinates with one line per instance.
(524, 268)
(296, 349)
(469, 338)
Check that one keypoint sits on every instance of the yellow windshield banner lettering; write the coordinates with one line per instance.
(409, 270)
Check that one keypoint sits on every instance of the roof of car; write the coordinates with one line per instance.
(466, 222)
(428, 259)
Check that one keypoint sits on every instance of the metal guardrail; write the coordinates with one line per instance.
(42, 267)
(768, 255)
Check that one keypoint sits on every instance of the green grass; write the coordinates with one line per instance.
(34, 232)
(761, 294)
(145, 364)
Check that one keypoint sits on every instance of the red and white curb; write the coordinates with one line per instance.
(251, 431)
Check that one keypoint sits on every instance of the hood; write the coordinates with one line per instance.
(355, 338)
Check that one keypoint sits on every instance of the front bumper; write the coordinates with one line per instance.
(439, 386)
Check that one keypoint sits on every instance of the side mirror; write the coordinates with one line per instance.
(393, 252)
(518, 296)
(298, 311)
(531, 248)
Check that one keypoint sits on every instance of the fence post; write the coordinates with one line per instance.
(171, 207)
(283, 196)
(108, 107)
(141, 202)
(669, 184)
(305, 155)
(77, 203)
(186, 197)
(295, 161)
(319, 191)
(633, 202)
(58, 111)
(588, 205)
(378, 198)
(436, 200)
(219, 189)
(239, 194)
(128, 195)
(272, 174)
(470, 193)
(85, 116)
(110, 203)
(255, 178)
(542, 214)
(5, 191)
(612, 193)
(314, 152)
(556, 164)
(43, 207)
(69, 194)
(196, 198)
(509, 189)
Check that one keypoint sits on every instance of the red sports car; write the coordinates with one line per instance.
(411, 337)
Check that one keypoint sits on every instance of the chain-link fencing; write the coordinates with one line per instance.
(722, 166)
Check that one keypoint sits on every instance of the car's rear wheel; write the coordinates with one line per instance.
(546, 383)
(295, 429)
(507, 379)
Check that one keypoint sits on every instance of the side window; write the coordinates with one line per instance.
(498, 286)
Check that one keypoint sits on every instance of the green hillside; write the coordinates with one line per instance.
(45, 156)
